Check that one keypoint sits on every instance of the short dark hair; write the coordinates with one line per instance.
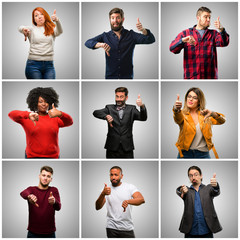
(195, 168)
(116, 167)
(116, 10)
(203, 9)
(48, 94)
(122, 89)
(47, 169)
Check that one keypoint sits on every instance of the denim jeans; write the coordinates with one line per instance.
(40, 70)
(35, 235)
(194, 154)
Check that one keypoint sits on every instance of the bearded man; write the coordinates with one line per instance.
(119, 198)
(43, 201)
(120, 118)
(119, 44)
(199, 44)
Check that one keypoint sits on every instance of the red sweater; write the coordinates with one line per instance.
(42, 139)
(42, 218)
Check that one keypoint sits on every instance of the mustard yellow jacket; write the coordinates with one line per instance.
(188, 130)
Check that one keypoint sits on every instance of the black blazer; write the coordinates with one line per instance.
(207, 194)
(121, 132)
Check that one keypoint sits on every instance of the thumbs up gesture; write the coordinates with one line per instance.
(140, 27)
(213, 180)
(178, 104)
(51, 199)
(54, 112)
(54, 16)
(106, 190)
(218, 25)
(139, 101)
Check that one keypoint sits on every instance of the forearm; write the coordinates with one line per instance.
(136, 201)
(100, 201)
(66, 119)
(143, 112)
(25, 193)
(18, 115)
(178, 117)
(58, 29)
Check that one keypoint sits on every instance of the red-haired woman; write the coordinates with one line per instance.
(41, 37)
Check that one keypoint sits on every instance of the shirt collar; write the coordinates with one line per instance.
(201, 185)
(121, 108)
(122, 32)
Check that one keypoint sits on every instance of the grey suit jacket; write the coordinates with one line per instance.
(207, 193)
(121, 132)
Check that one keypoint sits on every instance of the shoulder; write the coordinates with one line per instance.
(110, 106)
(53, 188)
(130, 106)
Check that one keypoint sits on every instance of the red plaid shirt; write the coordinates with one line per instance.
(200, 61)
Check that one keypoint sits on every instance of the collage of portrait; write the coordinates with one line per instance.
(119, 119)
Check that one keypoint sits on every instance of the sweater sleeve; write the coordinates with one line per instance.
(65, 120)
(18, 116)
(57, 204)
(24, 194)
(58, 29)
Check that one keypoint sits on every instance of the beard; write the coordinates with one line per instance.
(44, 185)
(116, 182)
(120, 103)
(117, 28)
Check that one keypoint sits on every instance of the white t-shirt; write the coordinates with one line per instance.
(116, 218)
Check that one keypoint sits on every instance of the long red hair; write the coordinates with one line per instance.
(48, 25)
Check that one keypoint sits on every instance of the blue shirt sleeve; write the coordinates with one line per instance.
(90, 43)
(140, 38)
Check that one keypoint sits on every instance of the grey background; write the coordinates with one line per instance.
(174, 174)
(176, 17)
(14, 95)
(15, 49)
(220, 97)
(95, 21)
(18, 175)
(96, 95)
(142, 174)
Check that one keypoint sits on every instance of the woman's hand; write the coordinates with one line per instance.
(208, 113)
(54, 112)
(54, 16)
(33, 117)
(178, 104)
(26, 33)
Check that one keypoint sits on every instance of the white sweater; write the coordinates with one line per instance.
(41, 47)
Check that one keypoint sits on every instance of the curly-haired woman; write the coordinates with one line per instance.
(41, 37)
(42, 125)
(195, 122)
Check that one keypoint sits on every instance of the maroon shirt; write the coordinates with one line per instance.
(42, 218)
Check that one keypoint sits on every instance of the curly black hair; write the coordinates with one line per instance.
(48, 94)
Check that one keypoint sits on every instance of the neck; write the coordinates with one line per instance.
(42, 113)
(198, 27)
(40, 186)
(197, 186)
(193, 111)
(118, 33)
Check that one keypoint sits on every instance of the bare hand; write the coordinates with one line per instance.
(213, 180)
(109, 119)
(178, 103)
(33, 117)
(106, 48)
(106, 190)
(51, 199)
(33, 200)
(124, 205)
(139, 25)
(54, 16)
(26, 33)
(218, 25)
(189, 39)
(54, 112)
(207, 113)
(183, 190)
(139, 101)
